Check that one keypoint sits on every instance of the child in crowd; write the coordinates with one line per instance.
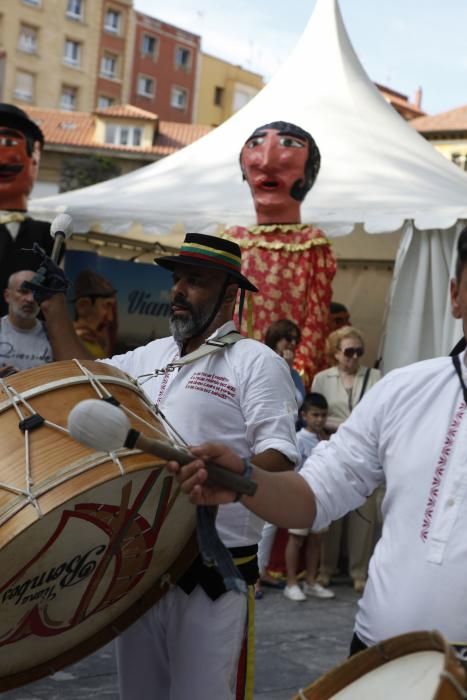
(314, 412)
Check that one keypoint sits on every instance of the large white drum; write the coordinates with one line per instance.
(415, 666)
(88, 540)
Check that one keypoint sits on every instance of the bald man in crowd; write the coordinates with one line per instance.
(23, 338)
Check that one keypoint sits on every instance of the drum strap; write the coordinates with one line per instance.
(209, 347)
(213, 551)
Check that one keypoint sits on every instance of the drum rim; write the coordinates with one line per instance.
(372, 658)
(112, 629)
(107, 374)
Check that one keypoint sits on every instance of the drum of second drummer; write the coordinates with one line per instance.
(417, 665)
(88, 540)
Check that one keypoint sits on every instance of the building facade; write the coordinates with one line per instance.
(223, 90)
(115, 51)
(49, 52)
(86, 147)
(447, 132)
(164, 69)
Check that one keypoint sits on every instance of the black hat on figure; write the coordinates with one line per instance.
(16, 118)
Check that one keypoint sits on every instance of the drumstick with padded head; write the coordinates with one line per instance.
(102, 426)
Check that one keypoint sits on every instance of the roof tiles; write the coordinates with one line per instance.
(453, 120)
(77, 129)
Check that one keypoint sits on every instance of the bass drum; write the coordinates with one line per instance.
(414, 666)
(88, 540)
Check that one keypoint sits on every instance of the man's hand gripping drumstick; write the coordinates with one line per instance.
(102, 426)
(282, 498)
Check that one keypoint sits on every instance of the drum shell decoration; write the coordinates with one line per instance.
(416, 665)
(88, 541)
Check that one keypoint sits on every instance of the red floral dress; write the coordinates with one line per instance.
(293, 267)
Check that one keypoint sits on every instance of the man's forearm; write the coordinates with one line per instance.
(283, 499)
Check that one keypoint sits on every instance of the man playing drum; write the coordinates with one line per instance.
(190, 643)
(411, 431)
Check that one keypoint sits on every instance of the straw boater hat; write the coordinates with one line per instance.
(209, 252)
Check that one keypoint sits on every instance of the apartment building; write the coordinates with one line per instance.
(165, 66)
(66, 54)
(223, 90)
(115, 52)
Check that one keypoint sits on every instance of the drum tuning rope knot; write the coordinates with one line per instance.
(104, 394)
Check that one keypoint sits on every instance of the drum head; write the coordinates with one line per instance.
(416, 665)
(88, 540)
(416, 676)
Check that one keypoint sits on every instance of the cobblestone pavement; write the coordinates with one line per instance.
(295, 644)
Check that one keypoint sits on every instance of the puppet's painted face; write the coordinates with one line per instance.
(18, 169)
(272, 162)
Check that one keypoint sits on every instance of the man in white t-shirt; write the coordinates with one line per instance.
(23, 339)
(411, 430)
(194, 642)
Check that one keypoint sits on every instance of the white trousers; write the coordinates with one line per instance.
(186, 646)
(265, 545)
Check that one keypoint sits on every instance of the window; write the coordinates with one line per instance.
(179, 98)
(74, 9)
(68, 98)
(145, 86)
(109, 65)
(103, 101)
(112, 21)
(120, 135)
(218, 96)
(24, 86)
(72, 53)
(459, 159)
(148, 45)
(27, 39)
(182, 58)
(241, 98)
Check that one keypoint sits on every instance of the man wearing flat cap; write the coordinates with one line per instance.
(196, 641)
(21, 142)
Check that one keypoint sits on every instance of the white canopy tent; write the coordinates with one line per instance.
(377, 172)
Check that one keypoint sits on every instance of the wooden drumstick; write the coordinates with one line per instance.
(102, 426)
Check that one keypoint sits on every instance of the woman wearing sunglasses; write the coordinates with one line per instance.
(343, 385)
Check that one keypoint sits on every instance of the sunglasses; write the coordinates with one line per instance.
(353, 352)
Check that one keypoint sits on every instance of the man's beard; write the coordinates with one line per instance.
(27, 314)
(189, 326)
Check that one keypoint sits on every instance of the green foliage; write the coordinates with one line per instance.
(81, 171)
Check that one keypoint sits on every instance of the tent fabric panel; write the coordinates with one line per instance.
(420, 324)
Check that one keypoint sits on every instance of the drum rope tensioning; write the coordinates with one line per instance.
(88, 540)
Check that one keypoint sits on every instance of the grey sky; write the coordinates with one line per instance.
(403, 44)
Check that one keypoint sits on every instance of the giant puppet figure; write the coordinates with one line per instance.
(21, 141)
(291, 263)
